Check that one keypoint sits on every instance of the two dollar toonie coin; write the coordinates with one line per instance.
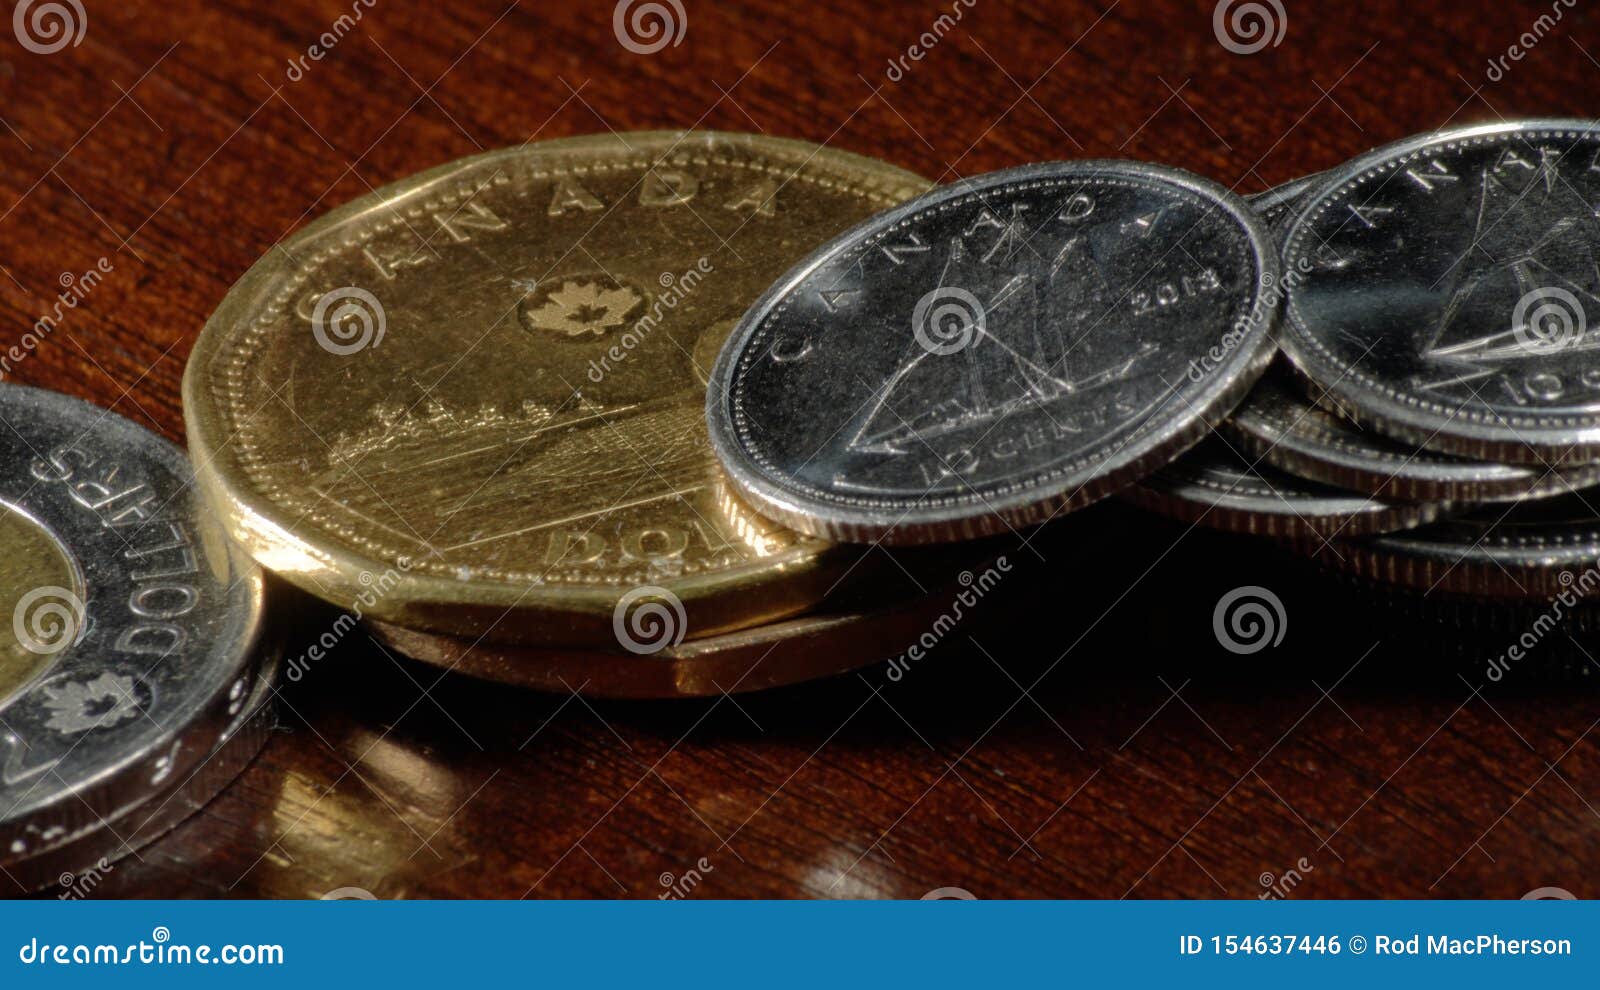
(480, 391)
(996, 351)
(128, 653)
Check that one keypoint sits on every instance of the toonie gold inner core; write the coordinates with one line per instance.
(41, 599)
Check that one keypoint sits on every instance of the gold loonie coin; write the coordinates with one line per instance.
(472, 401)
(820, 644)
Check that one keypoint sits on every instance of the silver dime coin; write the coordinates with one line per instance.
(996, 351)
(1444, 291)
(1216, 486)
(128, 623)
(1539, 549)
(1280, 425)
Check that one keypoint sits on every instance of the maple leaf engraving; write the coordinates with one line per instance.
(579, 308)
(105, 701)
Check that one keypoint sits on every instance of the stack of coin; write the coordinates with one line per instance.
(1020, 344)
(132, 687)
(469, 409)
(1440, 363)
(643, 414)
(655, 414)
(1443, 317)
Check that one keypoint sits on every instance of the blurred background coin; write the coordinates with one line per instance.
(1280, 424)
(128, 652)
(473, 401)
(1449, 291)
(995, 352)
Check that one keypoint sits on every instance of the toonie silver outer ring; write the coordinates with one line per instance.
(163, 619)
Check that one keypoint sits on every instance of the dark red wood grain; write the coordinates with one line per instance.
(1143, 761)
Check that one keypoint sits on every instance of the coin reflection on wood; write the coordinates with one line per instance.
(484, 386)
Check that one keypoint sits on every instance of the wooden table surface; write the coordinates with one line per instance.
(1102, 745)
